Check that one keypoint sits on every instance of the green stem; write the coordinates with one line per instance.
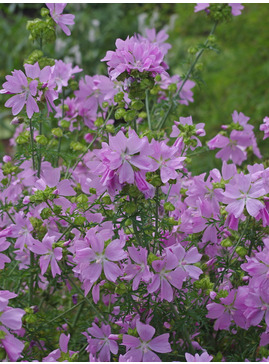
(89, 146)
(60, 139)
(31, 279)
(67, 311)
(32, 143)
(199, 54)
(156, 219)
(147, 108)
(168, 193)
(79, 311)
(39, 152)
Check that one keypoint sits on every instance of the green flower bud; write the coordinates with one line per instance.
(44, 12)
(158, 78)
(142, 115)
(57, 132)
(79, 220)
(137, 105)
(41, 139)
(73, 84)
(82, 198)
(107, 200)
(110, 128)
(241, 251)
(119, 97)
(46, 213)
(172, 87)
(30, 319)
(152, 257)
(128, 222)
(120, 113)
(92, 190)
(168, 206)
(57, 209)
(105, 104)
(199, 66)
(226, 243)
(192, 50)
(99, 122)
(22, 139)
(76, 146)
(65, 123)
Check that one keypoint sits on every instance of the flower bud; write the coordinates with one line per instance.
(79, 220)
(168, 206)
(41, 139)
(57, 132)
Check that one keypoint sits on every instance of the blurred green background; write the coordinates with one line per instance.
(234, 79)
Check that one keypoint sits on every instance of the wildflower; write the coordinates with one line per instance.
(61, 19)
(49, 254)
(103, 342)
(141, 348)
(133, 54)
(204, 357)
(25, 90)
(240, 193)
(62, 352)
(265, 127)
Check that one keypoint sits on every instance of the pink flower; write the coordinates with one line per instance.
(167, 273)
(25, 90)
(133, 54)
(140, 270)
(98, 257)
(61, 19)
(141, 348)
(104, 342)
(240, 193)
(164, 157)
(235, 8)
(265, 127)
(62, 73)
(56, 354)
(49, 254)
(204, 357)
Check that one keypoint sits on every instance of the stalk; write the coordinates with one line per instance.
(199, 54)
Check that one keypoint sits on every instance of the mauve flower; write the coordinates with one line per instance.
(134, 54)
(141, 348)
(25, 90)
(140, 270)
(93, 260)
(12, 345)
(56, 354)
(240, 193)
(61, 19)
(236, 8)
(157, 38)
(165, 158)
(49, 254)
(168, 273)
(62, 73)
(265, 127)
(204, 357)
(103, 342)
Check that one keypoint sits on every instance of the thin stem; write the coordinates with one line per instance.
(67, 311)
(32, 143)
(31, 279)
(156, 218)
(199, 54)
(89, 146)
(78, 315)
(39, 151)
(60, 139)
(147, 108)
(168, 193)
